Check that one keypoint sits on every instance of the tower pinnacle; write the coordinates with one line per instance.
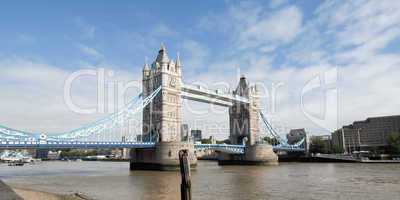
(162, 48)
(162, 56)
(145, 66)
(178, 60)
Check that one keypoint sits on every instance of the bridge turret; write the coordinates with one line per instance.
(244, 124)
(162, 56)
(162, 59)
(178, 64)
(171, 66)
(146, 69)
(163, 116)
(146, 83)
(242, 89)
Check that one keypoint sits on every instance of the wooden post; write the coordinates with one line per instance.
(186, 185)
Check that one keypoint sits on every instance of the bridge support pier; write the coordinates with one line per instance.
(257, 154)
(164, 157)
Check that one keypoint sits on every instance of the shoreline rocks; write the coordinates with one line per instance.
(17, 193)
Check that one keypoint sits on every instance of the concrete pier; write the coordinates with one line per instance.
(257, 154)
(164, 157)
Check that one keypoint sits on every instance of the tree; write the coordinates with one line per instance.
(270, 140)
(227, 141)
(206, 141)
(337, 149)
(394, 142)
(79, 153)
(317, 145)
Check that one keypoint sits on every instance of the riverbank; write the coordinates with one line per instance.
(6, 193)
(18, 193)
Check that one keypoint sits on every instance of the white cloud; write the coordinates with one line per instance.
(359, 22)
(26, 39)
(352, 34)
(251, 25)
(281, 27)
(88, 31)
(195, 53)
(277, 3)
(33, 95)
(369, 49)
(89, 51)
(356, 34)
(163, 31)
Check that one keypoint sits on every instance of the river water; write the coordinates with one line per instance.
(113, 180)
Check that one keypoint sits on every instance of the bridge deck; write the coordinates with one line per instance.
(233, 149)
(198, 93)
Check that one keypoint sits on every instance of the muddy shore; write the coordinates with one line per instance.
(18, 193)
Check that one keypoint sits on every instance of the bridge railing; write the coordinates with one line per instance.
(74, 144)
(216, 93)
(83, 133)
(228, 148)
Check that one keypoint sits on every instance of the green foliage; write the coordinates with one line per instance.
(394, 142)
(337, 149)
(271, 140)
(206, 141)
(227, 141)
(317, 145)
(78, 153)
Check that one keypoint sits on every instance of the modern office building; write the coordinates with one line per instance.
(41, 153)
(139, 138)
(184, 132)
(53, 155)
(327, 142)
(196, 135)
(368, 135)
(296, 135)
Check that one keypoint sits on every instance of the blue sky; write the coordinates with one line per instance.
(122, 32)
(117, 30)
(271, 42)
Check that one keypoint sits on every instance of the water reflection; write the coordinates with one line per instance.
(106, 180)
(160, 185)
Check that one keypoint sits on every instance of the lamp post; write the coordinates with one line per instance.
(359, 139)
(343, 139)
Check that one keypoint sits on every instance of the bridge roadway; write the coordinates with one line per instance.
(228, 148)
(201, 94)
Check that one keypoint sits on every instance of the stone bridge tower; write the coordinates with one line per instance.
(244, 118)
(162, 117)
(244, 129)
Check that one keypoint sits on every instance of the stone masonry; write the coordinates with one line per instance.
(162, 117)
(243, 118)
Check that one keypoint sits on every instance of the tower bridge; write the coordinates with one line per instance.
(160, 105)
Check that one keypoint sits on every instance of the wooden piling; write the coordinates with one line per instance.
(186, 185)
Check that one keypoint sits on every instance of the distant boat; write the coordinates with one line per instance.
(15, 157)
(18, 163)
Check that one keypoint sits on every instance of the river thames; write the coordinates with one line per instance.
(113, 180)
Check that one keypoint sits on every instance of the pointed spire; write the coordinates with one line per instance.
(242, 86)
(162, 48)
(146, 66)
(178, 60)
(162, 56)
